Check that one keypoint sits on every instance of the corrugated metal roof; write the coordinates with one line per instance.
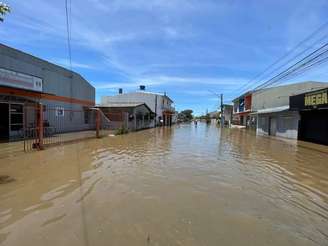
(124, 105)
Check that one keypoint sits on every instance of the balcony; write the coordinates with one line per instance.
(169, 108)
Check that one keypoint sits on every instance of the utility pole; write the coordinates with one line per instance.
(222, 114)
(221, 106)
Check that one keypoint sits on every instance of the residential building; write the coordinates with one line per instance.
(159, 103)
(312, 108)
(26, 80)
(131, 116)
(242, 107)
(271, 108)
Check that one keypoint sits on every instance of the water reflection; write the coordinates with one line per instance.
(183, 185)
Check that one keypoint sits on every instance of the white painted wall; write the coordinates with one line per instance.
(279, 96)
(287, 124)
(141, 97)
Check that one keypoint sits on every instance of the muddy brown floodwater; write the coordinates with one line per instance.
(178, 186)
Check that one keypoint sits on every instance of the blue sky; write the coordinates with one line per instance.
(186, 48)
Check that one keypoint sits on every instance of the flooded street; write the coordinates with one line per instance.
(168, 186)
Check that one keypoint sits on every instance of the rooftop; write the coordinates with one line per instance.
(142, 92)
(121, 105)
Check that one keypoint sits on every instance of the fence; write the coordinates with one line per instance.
(117, 119)
(131, 122)
(54, 124)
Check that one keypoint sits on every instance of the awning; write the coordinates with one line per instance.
(243, 112)
(272, 110)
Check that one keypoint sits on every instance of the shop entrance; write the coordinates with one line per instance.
(314, 126)
(4, 121)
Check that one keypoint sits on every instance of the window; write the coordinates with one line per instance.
(16, 117)
(60, 112)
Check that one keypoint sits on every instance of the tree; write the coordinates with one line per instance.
(185, 115)
(4, 9)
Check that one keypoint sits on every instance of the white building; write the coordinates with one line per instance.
(271, 107)
(159, 103)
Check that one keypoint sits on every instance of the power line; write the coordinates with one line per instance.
(312, 57)
(287, 72)
(318, 30)
(304, 70)
(297, 55)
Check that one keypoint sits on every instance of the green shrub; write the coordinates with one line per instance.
(122, 130)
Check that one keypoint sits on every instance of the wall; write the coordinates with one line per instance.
(134, 123)
(56, 80)
(287, 124)
(279, 96)
(73, 119)
(142, 97)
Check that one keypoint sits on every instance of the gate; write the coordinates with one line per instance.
(46, 125)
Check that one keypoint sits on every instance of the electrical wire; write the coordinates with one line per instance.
(254, 81)
(295, 66)
(296, 56)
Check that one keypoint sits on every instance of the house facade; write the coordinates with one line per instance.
(131, 116)
(312, 108)
(159, 103)
(242, 108)
(26, 81)
(271, 108)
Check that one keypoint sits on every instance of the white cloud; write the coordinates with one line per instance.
(174, 81)
(65, 63)
(124, 85)
(194, 80)
(151, 42)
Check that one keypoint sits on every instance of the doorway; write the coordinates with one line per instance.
(4, 121)
(314, 126)
(272, 126)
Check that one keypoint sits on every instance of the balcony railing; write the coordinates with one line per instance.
(168, 108)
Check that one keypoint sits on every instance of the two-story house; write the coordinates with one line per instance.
(159, 103)
(242, 108)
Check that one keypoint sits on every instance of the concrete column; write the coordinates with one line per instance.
(148, 119)
(98, 123)
(135, 119)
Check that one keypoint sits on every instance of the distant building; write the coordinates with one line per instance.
(26, 80)
(270, 106)
(159, 103)
(313, 110)
(214, 114)
(131, 116)
(227, 113)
